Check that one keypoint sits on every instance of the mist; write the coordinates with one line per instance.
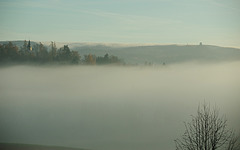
(112, 108)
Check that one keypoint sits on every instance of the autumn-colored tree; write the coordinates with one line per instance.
(115, 59)
(90, 59)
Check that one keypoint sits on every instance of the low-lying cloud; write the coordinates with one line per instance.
(112, 107)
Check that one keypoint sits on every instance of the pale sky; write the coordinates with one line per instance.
(214, 22)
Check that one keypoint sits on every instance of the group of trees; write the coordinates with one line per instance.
(37, 53)
(42, 54)
(208, 131)
(106, 59)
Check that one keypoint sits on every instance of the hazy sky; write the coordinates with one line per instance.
(214, 22)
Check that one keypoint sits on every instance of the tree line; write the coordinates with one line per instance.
(39, 53)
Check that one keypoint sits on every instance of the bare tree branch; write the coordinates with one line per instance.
(207, 131)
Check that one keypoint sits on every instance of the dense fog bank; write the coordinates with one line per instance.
(112, 108)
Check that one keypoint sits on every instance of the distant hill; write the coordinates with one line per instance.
(155, 54)
(11, 146)
(158, 54)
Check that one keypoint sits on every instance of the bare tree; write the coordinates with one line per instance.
(207, 131)
(234, 143)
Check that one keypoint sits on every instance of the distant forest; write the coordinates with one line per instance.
(41, 54)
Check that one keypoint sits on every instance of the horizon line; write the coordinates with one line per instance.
(123, 44)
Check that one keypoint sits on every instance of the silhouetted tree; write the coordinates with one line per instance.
(26, 51)
(36, 48)
(115, 59)
(9, 52)
(207, 131)
(103, 60)
(75, 57)
(53, 51)
(106, 57)
(234, 143)
(108, 60)
(1, 51)
(23, 49)
(64, 53)
(42, 53)
(39, 53)
(29, 48)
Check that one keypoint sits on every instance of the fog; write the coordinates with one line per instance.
(112, 108)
